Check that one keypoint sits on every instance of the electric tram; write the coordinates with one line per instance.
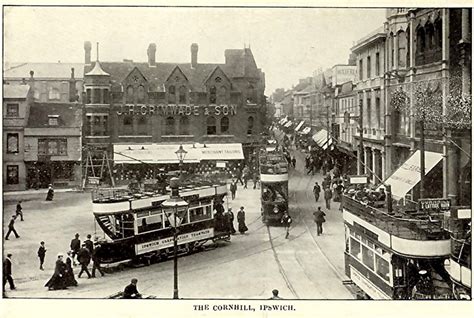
(136, 227)
(396, 254)
(274, 185)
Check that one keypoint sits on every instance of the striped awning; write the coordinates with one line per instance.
(288, 124)
(299, 125)
(306, 131)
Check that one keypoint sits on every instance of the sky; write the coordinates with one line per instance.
(287, 43)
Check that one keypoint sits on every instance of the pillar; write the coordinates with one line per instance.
(445, 74)
(374, 166)
(465, 52)
(382, 158)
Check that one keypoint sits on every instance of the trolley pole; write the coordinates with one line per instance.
(175, 257)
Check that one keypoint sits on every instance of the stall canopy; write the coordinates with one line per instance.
(322, 140)
(408, 175)
(288, 124)
(166, 153)
(283, 121)
(299, 125)
(222, 152)
(306, 131)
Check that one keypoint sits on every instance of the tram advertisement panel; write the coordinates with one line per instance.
(168, 241)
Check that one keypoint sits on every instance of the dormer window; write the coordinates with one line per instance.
(171, 95)
(53, 120)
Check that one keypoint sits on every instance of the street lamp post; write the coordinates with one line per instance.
(178, 208)
(181, 154)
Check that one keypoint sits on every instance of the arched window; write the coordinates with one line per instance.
(212, 95)
(142, 126)
(250, 126)
(429, 36)
(141, 94)
(420, 40)
(251, 94)
(169, 126)
(127, 125)
(184, 126)
(438, 29)
(211, 126)
(171, 95)
(130, 92)
(224, 125)
(182, 95)
(392, 50)
(402, 47)
(408, 47)
(222, 95)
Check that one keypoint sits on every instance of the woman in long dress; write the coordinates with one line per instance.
(58, 280)
(241, 219)
(50, 195)
(70, 279)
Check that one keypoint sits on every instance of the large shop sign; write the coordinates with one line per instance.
(184, 110)
(440, 204)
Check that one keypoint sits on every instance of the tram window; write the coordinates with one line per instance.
(197, 214)
(208, 211)
(382, 268)
(368, 257)
(355, 248)
(154, 222)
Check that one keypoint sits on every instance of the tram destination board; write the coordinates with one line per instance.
(434, 204)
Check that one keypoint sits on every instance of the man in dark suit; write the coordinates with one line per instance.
(89, 244)
(75, 247)
(7, 272)
(96, 260)
(19, 210)
(131, 292)
(84, 258)
(11, 228)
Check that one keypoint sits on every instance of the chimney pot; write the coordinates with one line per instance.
(194, 54)
(151, 54)
(72, 72)
(87, 52)
(31, 74)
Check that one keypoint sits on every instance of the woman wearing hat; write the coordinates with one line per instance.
(241, 219)
(50, 195)
(58, 280)
(70, 280)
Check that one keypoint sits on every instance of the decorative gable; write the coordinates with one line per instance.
(217, 78)
(135, 78)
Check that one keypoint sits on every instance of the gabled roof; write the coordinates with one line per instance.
(45, 70)
(15, 91)
(69, 115)
(157, 75)
(214, 71)
(179, 69)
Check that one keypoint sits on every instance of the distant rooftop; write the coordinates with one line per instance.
(379, 32)
(43, 70)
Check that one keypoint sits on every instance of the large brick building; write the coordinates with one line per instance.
(193, 104)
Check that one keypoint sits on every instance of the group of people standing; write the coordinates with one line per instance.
(224, 220)
(82, 254)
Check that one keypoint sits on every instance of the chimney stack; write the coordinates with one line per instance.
(73, 97)
(87, 52)
(194, 55)
(151, 54)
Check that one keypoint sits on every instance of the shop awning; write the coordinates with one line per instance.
(153, 153)
(321, 137)
(408, 175)
(288, 124)
(299, 125)
(283, 121)
(306, 131)
(222, 152)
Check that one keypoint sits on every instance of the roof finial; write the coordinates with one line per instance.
(97, 51)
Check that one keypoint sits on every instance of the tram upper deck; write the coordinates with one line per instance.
(273, 163)
(405, 221)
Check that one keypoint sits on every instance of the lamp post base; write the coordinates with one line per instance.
(175, 294)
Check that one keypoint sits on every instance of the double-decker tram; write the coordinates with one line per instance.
(396, 254)
(459, 266)
(274, 185)
(137, 229)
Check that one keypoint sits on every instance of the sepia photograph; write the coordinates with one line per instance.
(260, 154)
